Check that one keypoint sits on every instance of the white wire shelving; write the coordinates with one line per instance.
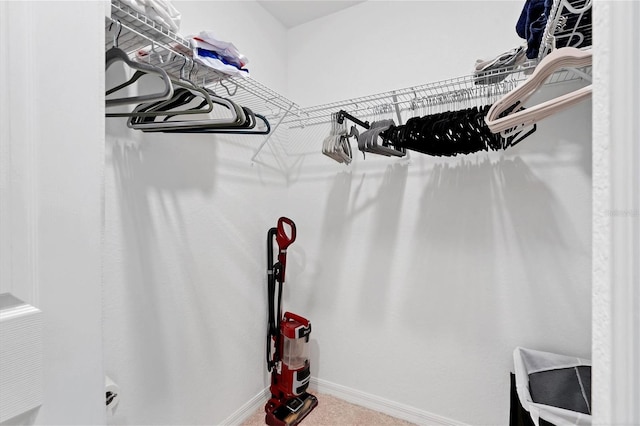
(465, 90)
(172, 53)
(131, 31)
(569, 24)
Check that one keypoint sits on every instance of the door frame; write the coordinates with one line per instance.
(616, 233)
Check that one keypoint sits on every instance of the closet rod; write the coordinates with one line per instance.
(342, 114)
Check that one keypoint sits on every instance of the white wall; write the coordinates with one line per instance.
(186, 222)
(55, 139)
(256, 33)
(377, 46)
(422, 277)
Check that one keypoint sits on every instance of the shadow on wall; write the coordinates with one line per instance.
(150, 173)
(150, 177)
(335, 232)
(346, 205)
(144, 222)
(491, 242)
(386, 224)
(166, 166)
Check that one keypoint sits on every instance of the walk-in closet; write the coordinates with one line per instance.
(458, 178)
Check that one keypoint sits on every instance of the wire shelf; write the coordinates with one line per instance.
(147, 41)
(463, 89)
(145, 26)
(569, 24)
(134, 33)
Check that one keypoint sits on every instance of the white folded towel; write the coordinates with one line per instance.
(159, 11)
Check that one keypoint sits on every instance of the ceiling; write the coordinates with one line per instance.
(293, 13)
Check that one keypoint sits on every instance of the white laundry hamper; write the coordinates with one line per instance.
(553, 388)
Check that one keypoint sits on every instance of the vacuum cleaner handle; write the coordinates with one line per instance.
(282, 238)
(291, 316)
(284, 241)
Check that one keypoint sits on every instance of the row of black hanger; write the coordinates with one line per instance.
(453, 132)
(447, 133)
(181, 106)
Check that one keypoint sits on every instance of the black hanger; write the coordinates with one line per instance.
(247, 130)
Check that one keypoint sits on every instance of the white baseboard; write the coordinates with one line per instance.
(373, 402)
(386, 406)
(247, 410)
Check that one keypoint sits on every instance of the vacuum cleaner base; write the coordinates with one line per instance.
(290, 412)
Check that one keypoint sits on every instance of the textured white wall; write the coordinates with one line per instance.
(256, 33)
(186, 218)
(378, 46)
(421, 278)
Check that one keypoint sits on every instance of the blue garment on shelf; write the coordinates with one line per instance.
(531, 24)
(211, 54)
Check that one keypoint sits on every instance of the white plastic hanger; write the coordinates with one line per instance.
(565, 57)
(336, 145)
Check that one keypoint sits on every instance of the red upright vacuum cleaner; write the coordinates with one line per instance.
(287, 341)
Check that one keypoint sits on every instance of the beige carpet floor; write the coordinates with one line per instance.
(333, 411)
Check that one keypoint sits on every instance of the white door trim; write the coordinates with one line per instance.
(616, 233)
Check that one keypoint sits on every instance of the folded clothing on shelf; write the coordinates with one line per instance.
(485, 71)
(219, 54)
(531, 24)
(159, 11)
(229, 64)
